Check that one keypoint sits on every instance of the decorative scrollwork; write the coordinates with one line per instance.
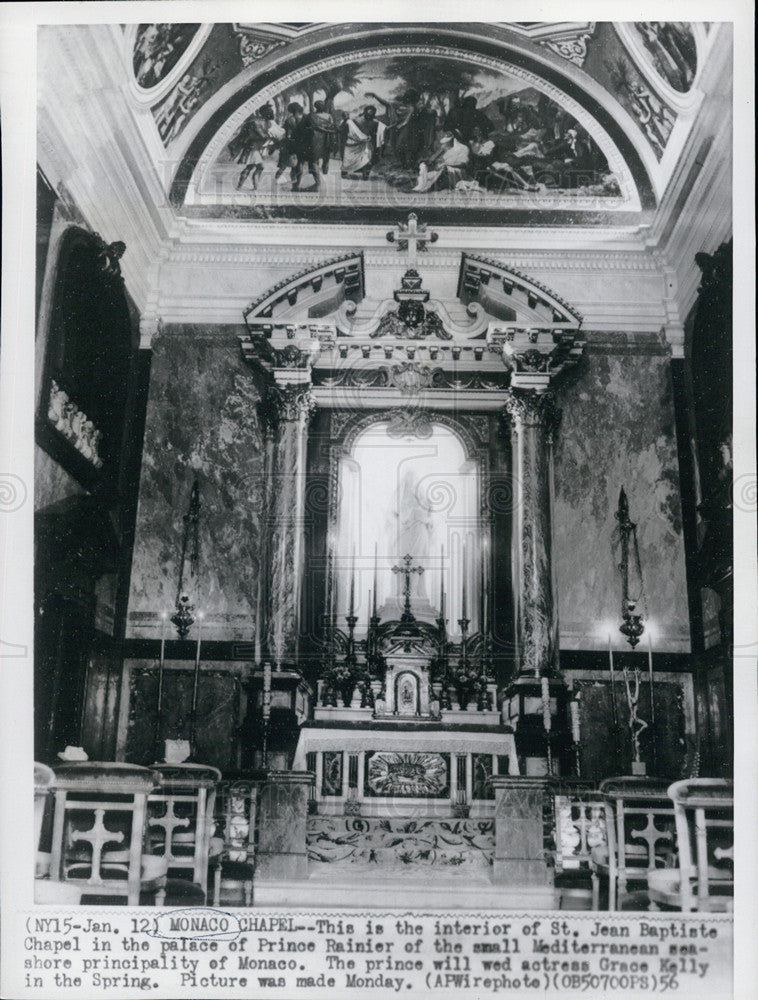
(409, 421)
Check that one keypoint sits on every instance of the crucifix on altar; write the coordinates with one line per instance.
(406, 569)
(412, 236)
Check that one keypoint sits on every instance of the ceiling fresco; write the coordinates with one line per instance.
(276, 120)
(157, 49)
(672, 50)
(416, 125)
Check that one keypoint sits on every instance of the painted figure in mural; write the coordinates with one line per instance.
(411, 128)
(188, 93)
(435, 125)
(157, 49)
(323, 138)
(288, 158)
(672, 47)
(482, 155)
(447, 168)
(258, 136)
(364, 138)
(303, 149)
(465, 119)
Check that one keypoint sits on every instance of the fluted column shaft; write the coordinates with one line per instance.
(292, 406)
(535, 419)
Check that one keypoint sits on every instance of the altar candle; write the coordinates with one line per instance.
(266, 690)
(613, 684)
(650, 672)
(483, 625)
(352, 582)
(442, 581)
(574, 705)
(465, 570)
(376, 565)
(161, 664)
(163, 638)
(258, 623)
(193, 715)
(199, 633)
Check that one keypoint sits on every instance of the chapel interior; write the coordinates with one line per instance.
(383, 464)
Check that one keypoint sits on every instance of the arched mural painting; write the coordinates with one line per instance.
(407, 124)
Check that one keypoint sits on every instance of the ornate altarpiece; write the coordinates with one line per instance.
(481, 364)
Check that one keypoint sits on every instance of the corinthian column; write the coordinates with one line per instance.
(292, 407)
(535, 419)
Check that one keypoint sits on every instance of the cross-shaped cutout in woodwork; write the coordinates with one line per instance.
(406, 570)
(169, 823)
(651, 834)
(413, 237)
(97, 836)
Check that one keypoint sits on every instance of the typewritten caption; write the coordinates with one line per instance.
(249, 954)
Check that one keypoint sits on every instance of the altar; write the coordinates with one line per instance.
(435, 770)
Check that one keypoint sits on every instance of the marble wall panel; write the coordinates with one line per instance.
(618, 430)
(202, 421)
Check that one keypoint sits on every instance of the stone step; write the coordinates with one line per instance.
(405, 894)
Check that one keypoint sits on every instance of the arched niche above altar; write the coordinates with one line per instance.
(408, 484)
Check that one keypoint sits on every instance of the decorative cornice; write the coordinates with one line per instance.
(348, 266)
(474, 273)
(633, 261)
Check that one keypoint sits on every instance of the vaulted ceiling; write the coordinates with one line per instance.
(629, 90)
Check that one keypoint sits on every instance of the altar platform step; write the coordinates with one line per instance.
(405, 894)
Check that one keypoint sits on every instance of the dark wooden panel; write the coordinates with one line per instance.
(218, 704)
(597, 737)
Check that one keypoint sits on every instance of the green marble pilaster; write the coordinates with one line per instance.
(283, 809)
(293, 406)
(535, 420)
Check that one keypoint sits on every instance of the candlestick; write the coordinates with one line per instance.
(614, 712)
(193, 716)
(258, 623)
(652, 695)
(161, 663)
(266, 708)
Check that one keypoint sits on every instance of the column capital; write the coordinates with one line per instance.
(529, 408)
(292, 402)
